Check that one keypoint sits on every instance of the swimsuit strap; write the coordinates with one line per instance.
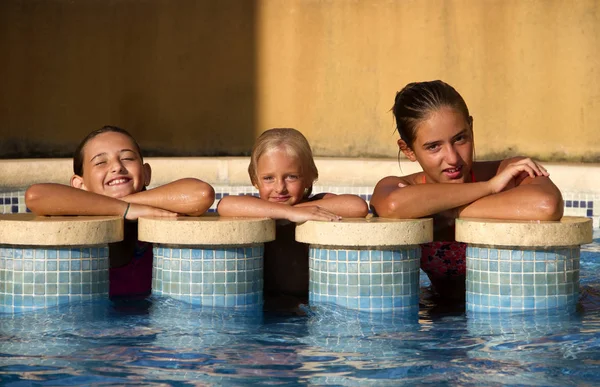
(472, 177)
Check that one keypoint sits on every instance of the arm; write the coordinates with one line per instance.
(184, 196)
(399, 197)
(58, 199)
(396, 197)
(257, 208)
(532, 198)
(347, 206)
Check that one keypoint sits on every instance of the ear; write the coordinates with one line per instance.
(406, 150)
(77, 182)
(147, 174)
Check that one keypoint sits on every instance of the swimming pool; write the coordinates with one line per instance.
(159, 341)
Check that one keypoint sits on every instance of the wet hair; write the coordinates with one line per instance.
(418, 100)
(294, 143)
(78, 156)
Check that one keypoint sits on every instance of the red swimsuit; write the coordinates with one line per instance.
(444, 259)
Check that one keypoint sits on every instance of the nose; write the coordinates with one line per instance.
(117, 166)
(280, 186)
(452, 156)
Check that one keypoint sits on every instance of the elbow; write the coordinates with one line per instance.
(551, 207)
(360, 210)
(33, 195)
(224, 208)
(387, 209)
(203, 196)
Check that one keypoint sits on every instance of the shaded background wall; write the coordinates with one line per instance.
(206, 77)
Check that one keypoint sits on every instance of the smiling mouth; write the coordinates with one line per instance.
(118, 181)
(280, 198)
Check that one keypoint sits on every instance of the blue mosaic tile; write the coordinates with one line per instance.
(525, 280)
(33, 278)
(210, 276)
(367, 280)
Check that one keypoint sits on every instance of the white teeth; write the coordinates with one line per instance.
(117, 181)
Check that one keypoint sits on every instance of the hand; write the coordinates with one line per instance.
(302, 214)
(514, 173)
(137, 210)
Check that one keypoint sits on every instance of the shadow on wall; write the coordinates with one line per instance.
(180, 75)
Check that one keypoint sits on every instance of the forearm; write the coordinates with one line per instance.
(252, 207)
(346, 206)
(538, 200)
(417, 201)
(185, 196)
(58, 199)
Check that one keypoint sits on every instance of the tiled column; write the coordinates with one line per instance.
(365, 264)
(208, 260)
(522, 265)
(49, 261)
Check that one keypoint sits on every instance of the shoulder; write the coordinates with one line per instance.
(393, 181)
(485, 170)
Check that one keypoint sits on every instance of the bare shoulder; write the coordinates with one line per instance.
(485, 170)
(393, 181)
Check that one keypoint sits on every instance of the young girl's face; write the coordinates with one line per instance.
(112, 166)
(280, 177)
(444, 147)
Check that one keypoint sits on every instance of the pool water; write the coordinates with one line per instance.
(165, 342)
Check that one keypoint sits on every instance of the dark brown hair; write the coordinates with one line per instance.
(417, 100)
(78, 156)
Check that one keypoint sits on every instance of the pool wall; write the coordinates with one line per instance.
(579, 183)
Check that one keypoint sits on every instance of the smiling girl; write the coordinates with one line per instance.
(436, 130)
(283, 170)
(110, 178)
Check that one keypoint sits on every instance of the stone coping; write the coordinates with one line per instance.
(368, 232)
(21, 173)
(32, 230)
(206, 230)
(569, 231)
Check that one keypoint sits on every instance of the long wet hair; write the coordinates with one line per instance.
(78, 155)
(294, 143)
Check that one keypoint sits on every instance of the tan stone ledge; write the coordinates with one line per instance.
(206, 230)
(569, 231)
(369, 232)
(31, 230)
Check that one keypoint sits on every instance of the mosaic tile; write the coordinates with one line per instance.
(210, 275)
(526, 280)
(367, 280)
(32, 278)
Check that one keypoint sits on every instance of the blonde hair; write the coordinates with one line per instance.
(294, 143)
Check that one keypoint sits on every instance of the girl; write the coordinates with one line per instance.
(283, 170)
(110, 179)
(436, 130)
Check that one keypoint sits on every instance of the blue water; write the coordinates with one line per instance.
(164, 342)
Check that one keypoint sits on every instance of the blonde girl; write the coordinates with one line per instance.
(283, 170)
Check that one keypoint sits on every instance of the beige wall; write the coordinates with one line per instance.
(180, 75)
(205, 77)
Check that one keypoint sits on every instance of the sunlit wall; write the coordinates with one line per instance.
(205, 77)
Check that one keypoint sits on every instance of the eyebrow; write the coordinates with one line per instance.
(121, 151)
